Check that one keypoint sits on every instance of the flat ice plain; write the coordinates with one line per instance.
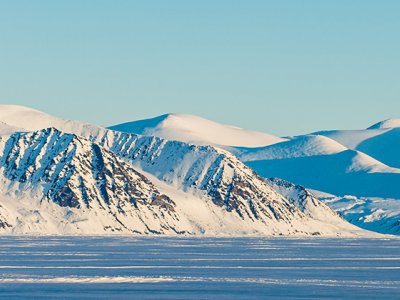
(48, 267)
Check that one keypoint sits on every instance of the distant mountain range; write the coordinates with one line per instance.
(181, 174)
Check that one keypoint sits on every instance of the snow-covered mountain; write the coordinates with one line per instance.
(106, 181)
(193, 129)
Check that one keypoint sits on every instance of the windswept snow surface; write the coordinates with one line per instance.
(87, 267)
(193, 129)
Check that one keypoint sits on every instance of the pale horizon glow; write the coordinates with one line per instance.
(284, 68)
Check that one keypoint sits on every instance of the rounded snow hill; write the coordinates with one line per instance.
(21, 118)
(349, 172)
(384, 147)
(321, 163)
(197, 130)
(351, 138)
(25, 118)
(299, 146)
(389, 123)
(381, 141)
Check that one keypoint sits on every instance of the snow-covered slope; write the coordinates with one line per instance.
(304, 200)
(301, 146)
(345, 173)
(384, 147)
(321, 163)
(193, 129)
(9, 129)
(21, 118)
(389, 123)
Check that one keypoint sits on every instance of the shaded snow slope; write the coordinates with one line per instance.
(389, 123)
(321, 163)
(193, 129)
(351, 138)
(346, 172)
(382, 144)
(384, 147)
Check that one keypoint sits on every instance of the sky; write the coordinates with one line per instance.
(283, 67)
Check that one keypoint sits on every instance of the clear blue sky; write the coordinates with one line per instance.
(284, 67)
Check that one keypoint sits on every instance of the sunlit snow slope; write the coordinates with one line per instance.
(20, 118)
(193, 129)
